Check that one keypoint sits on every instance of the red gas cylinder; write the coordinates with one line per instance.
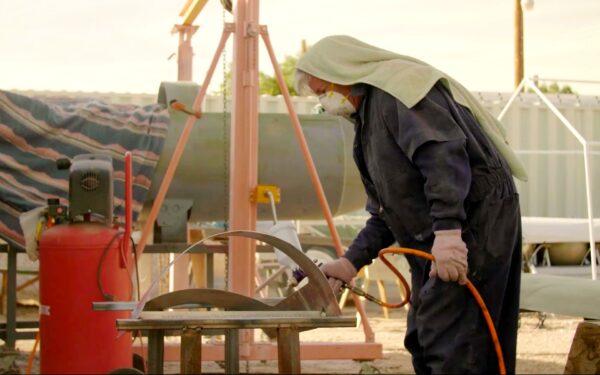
(73, 337)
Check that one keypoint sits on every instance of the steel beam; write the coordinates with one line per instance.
(268, 351)
(191, 9)
(185, 52)
(243, 165)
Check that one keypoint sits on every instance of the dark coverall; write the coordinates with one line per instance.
(429, 168)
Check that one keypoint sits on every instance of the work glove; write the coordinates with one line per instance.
(450, 254)
(338, 271)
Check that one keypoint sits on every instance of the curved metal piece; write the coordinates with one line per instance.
(211, 298)
(317, 294)
(207, 298)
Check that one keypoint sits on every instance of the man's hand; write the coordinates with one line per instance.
(338, 271)
(450, 254)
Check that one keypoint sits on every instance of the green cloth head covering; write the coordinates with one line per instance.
(345, 60)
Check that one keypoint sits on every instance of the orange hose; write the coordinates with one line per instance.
(469, 285)
(32, 353)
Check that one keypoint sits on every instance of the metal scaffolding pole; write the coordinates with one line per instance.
(526, 82)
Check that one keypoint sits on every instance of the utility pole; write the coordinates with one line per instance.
(518, 42)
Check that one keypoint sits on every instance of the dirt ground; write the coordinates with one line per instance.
(540, 350)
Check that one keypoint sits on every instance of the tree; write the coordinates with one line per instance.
(267, 83)
(554, 88)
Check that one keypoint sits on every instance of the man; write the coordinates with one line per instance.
(437, 171)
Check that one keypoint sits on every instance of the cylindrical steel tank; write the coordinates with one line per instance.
(567, 253)
(202, 174)
(73, 337)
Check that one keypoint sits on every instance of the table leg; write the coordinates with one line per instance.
(3, 292)
(288, 350)
(210, 270)
(232, 351)
(156, 351)
(191, 351)
(11, 298)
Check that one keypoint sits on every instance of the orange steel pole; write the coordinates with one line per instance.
(183, 138)
(243, 164)
(185, 60)
(314, 176)
(185, 52)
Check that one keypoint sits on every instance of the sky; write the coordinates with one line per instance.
(124, 45)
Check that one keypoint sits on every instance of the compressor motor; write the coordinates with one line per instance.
(90, 187)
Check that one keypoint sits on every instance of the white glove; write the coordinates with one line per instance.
(450, 254)
(339, 271)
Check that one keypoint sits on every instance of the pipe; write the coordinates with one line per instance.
(128, 202)
(589, 195)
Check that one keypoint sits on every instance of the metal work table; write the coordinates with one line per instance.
(12, 330)
(191, 325)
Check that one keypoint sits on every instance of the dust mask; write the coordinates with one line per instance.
(336, 104)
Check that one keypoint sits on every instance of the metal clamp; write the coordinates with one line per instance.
(179, 106)
(260, 194)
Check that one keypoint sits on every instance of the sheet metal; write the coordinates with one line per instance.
(555, 294)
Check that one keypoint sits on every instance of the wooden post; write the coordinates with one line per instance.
(288, 350)
(198, 260)
(191, 351)
(232, 351)
(518, 43)
(584, 356)
(155, 351)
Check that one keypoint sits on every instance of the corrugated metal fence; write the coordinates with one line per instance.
(552, 155)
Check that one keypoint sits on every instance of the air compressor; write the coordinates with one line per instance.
(84, 258)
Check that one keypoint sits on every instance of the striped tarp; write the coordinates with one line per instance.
(34, 134)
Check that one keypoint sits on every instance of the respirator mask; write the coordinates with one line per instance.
(336, 104)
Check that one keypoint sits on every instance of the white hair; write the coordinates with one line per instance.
(301, 83)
